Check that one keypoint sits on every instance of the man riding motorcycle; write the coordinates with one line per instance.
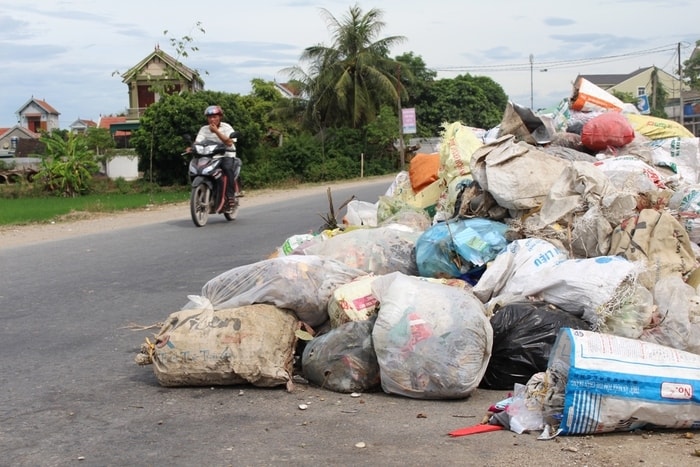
(216, 128)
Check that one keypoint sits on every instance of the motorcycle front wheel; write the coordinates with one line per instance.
(231, 215)
(199, 204)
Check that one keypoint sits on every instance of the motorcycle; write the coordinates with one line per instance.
(209, 182)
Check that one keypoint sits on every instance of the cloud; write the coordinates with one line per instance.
(12, 29)
(31, 55)
(551, 21)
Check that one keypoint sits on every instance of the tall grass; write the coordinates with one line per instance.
(19, 211)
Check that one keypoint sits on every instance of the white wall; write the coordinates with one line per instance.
(123, 166)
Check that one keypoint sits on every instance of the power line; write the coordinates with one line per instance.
(558, 64)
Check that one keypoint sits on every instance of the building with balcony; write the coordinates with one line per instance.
(156, 75)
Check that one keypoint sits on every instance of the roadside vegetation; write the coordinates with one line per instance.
(20, 204)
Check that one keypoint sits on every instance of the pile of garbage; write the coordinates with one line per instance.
(554, 256)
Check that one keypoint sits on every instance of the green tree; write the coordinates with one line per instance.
(380, 136)
(626, 97)
(98, 139)
(68, 166)
(347, 82)
(278, 115)
(56, 133)
(417, 82)
(691, 68)
(476, 101)
(658, 96)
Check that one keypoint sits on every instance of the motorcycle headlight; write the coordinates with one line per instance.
(204, 149)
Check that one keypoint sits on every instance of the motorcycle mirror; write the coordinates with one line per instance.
(187, 138)
(235, 135)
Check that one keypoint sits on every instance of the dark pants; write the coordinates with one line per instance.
(231, 167)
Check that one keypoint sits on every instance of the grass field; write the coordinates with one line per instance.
(20, 211)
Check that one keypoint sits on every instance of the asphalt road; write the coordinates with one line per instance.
(71, 393)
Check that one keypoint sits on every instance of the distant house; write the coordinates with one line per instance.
(81, 126)
(288, 90)
(17, 141)
(123, 165)
(157, 73)
(638, 83)
(119, 128)
(641, 83)
(37, 115)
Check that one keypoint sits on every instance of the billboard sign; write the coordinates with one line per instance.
(408, 121)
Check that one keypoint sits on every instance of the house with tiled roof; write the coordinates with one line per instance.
(11, 141)
(156, 74)
(639, 82)
(289, 90)
(113, 124)
(82, 125)
(37, 115)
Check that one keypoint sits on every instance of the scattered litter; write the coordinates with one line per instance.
(475, 429)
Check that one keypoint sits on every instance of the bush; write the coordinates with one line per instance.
(68, 166)
(122, 185)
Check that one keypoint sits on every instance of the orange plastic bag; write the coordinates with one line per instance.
(423, 170)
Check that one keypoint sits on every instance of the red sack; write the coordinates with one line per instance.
(605, 130)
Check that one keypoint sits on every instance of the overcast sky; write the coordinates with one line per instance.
(66, 52)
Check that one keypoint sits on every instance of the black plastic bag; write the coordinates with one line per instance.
(343, 359)
(523, 335)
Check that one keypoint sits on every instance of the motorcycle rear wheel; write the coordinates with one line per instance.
(199, 205)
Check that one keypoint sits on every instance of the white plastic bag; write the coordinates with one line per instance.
(361, 213)
(299, 283)
(433, 341)
(592, 288)
(377, 250)
(513, 269)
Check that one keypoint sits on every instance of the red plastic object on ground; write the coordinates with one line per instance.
(472, 430)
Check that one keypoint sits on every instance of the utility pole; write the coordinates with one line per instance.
(532, 88)
(680, 85)
(402, 151)
(654, 86)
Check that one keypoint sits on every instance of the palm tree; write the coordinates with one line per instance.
(347, 83)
